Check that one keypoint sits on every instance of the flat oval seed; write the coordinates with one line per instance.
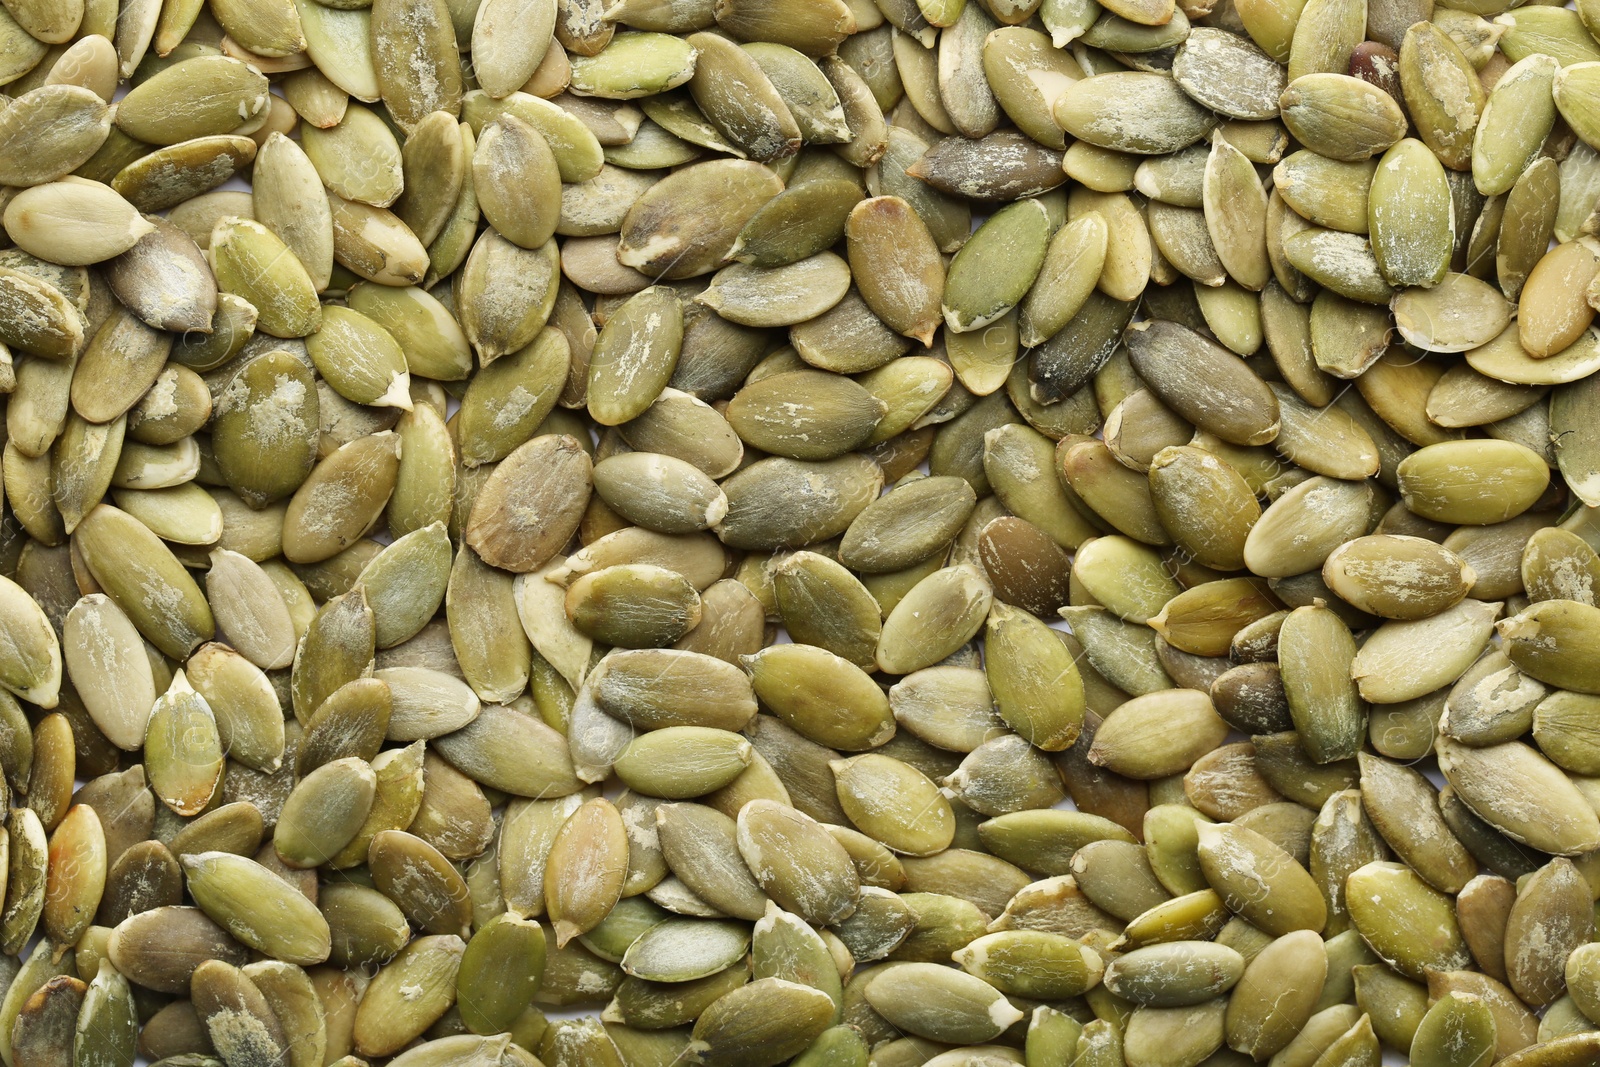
(128, 561)
(1188, 373)
(1022, 652)
(38, 318)
(1397, 577)
(1457, 314)
(508, 43)
(1303, 526)
(1341, 117)
(161, 948)
(530, 505)
(797, 862)
(1403, 806)
(414, 57)
(1520, 793)
(1518, 111)
(778, 296)
(1175, 974)
(996, 268)
(1410, 216)
(1235, 205)
(936, 616)
(907, 525)
(257, 907)
(1228, 74)
(507, 293)
(584, 874)
(634, 65)
(418, 878)
(683, 950)
(769, 509)
(73, 221)
(105, 657)
(1136, 112)
(804, 414)
(1511, 477)
(324, 811)
(1005, 774)
(682, 762)
(660, 236)
(204, 95)
(253, 263)
(1550, 316)
(700, 847)
(1158, 734)
(939, 1003)
(500, 969)
(1277, 994)
(1237, 861)
(633, 605)
(822, 696)
(1441, 92)
(655, 688)
(517, 181)
(341, 498)
(1205, 504)
(660, 492)
(1423, 935)
(249, 717)
(1456, 1026)
(768, 1018)
(51, 131)
(1547, 922)
(360, 359)
(1072, 265)
(863, 783)
(896, 264)
(1128, 578)
(634, 356)
(408, 994)
(823, 604)
(235, 1014)
(1031, 963)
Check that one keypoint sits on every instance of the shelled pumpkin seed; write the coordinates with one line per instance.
(839, 532)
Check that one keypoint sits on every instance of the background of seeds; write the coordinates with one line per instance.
(344, 561)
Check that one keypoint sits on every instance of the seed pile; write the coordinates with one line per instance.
(393, 554)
